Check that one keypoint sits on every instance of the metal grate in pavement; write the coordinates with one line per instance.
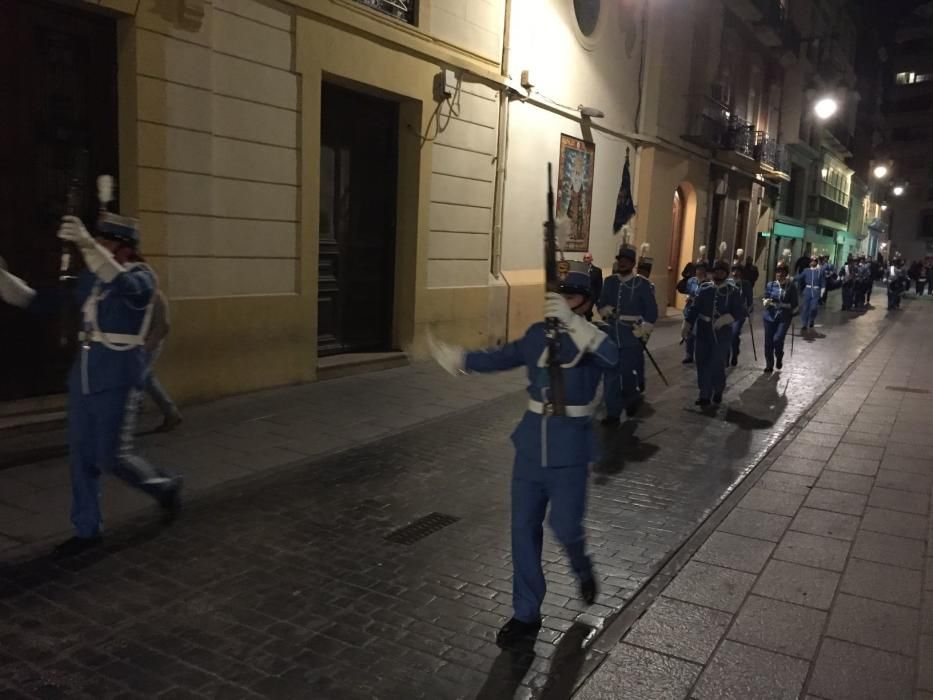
(421, 528)
(907, 389)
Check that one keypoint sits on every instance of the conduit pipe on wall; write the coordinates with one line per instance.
(502, 151)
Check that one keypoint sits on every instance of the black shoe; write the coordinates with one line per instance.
(169, 423)
(515, 631)
(632, 409)
(76, 545)
(735, 362)
(717, 397)
(687, 361)
(768, 370)
(702, 402)
(779, 362)
(170, 501)
(588, 591)
(641, 388)
(610, 420)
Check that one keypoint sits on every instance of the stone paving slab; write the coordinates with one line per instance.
(836, 602)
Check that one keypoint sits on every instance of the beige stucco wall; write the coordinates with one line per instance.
(219, 128)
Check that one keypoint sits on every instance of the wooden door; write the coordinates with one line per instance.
(359, 173)
(58, 81)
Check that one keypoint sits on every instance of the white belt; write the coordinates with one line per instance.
(630, 319)
(813, 286)
(569, 411)
(783, 306)
(723, 321)
(704, 318)
(112, 338)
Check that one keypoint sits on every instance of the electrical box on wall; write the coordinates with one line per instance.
(526, 80)
(445, 85)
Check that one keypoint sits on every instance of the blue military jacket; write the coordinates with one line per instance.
(813, 280)
(713, 305)
(117, 309)
(632, 300)
(553, 441)
(785, 300)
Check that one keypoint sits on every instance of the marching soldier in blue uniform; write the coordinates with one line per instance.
(812, 281)
(643, 269)
(692, 288)
(745, 287)
(115, 293)
(628, 305)
(717, 306)
(552, 453)
(780, 305)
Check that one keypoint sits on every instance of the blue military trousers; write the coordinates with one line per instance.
(775, 333)
(100, 439)
(808, 309)
(533, 488)
(737, 337)
(712, 356)
(621, 383)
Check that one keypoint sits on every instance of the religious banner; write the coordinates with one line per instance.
(575, 190)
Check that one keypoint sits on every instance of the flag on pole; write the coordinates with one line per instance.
(625, 207)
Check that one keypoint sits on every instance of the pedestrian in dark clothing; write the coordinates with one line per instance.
(751, 271)
(596, 281)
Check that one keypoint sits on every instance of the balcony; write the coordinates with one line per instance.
(831, 204)
(740, 137)
(404, 10)
(770, 29)
(709, 123)
(772, 155)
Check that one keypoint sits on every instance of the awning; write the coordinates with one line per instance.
(783, 230)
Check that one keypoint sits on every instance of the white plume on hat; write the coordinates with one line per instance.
(626, 234)
(104, 190)
(786, 253)
(645, 247)
(739, 253)
(722, 248)
(702, 250)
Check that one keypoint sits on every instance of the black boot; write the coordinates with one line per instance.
(702, 402)
(768, 370)
(717, 397)
(735, 361)
(687, 361)
(588, 590)
(170, 500)
(75, 546)
(515, 631)
(610, 420)
(633, 407)
(779, 361)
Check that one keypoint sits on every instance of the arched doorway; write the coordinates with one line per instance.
(677, 236)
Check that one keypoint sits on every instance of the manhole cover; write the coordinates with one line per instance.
(907, 389)
(421, 528)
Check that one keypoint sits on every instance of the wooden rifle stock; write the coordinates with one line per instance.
(552, 281)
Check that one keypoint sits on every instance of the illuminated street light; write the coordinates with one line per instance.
(880, 171)
(826, 107)
(898, 190)
(884, 207)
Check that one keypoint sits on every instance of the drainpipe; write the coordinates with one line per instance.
(502, 152)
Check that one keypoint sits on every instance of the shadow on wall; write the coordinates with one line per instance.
(184, 14)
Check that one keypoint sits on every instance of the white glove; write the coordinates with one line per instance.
(99, 260)
(555, 306)
(768, 303)
(607, 312)
(685, 330)
(584, 334)
(642, 330)
(450, 357)
(73, 231)
(13, 290)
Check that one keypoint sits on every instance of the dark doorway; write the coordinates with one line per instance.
(359, 174)
(58, 80)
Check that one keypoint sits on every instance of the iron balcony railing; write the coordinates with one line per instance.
(740, 137)
(404, 10)
(771, 153)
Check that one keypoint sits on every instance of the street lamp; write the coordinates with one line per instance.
(898, 190)
(826, 107)
(880, 171)
(884, 207)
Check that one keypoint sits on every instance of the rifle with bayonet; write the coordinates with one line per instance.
(555, 395)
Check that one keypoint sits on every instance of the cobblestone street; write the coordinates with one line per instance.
(281, 583)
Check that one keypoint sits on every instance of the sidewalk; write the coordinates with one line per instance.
(819, 584)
